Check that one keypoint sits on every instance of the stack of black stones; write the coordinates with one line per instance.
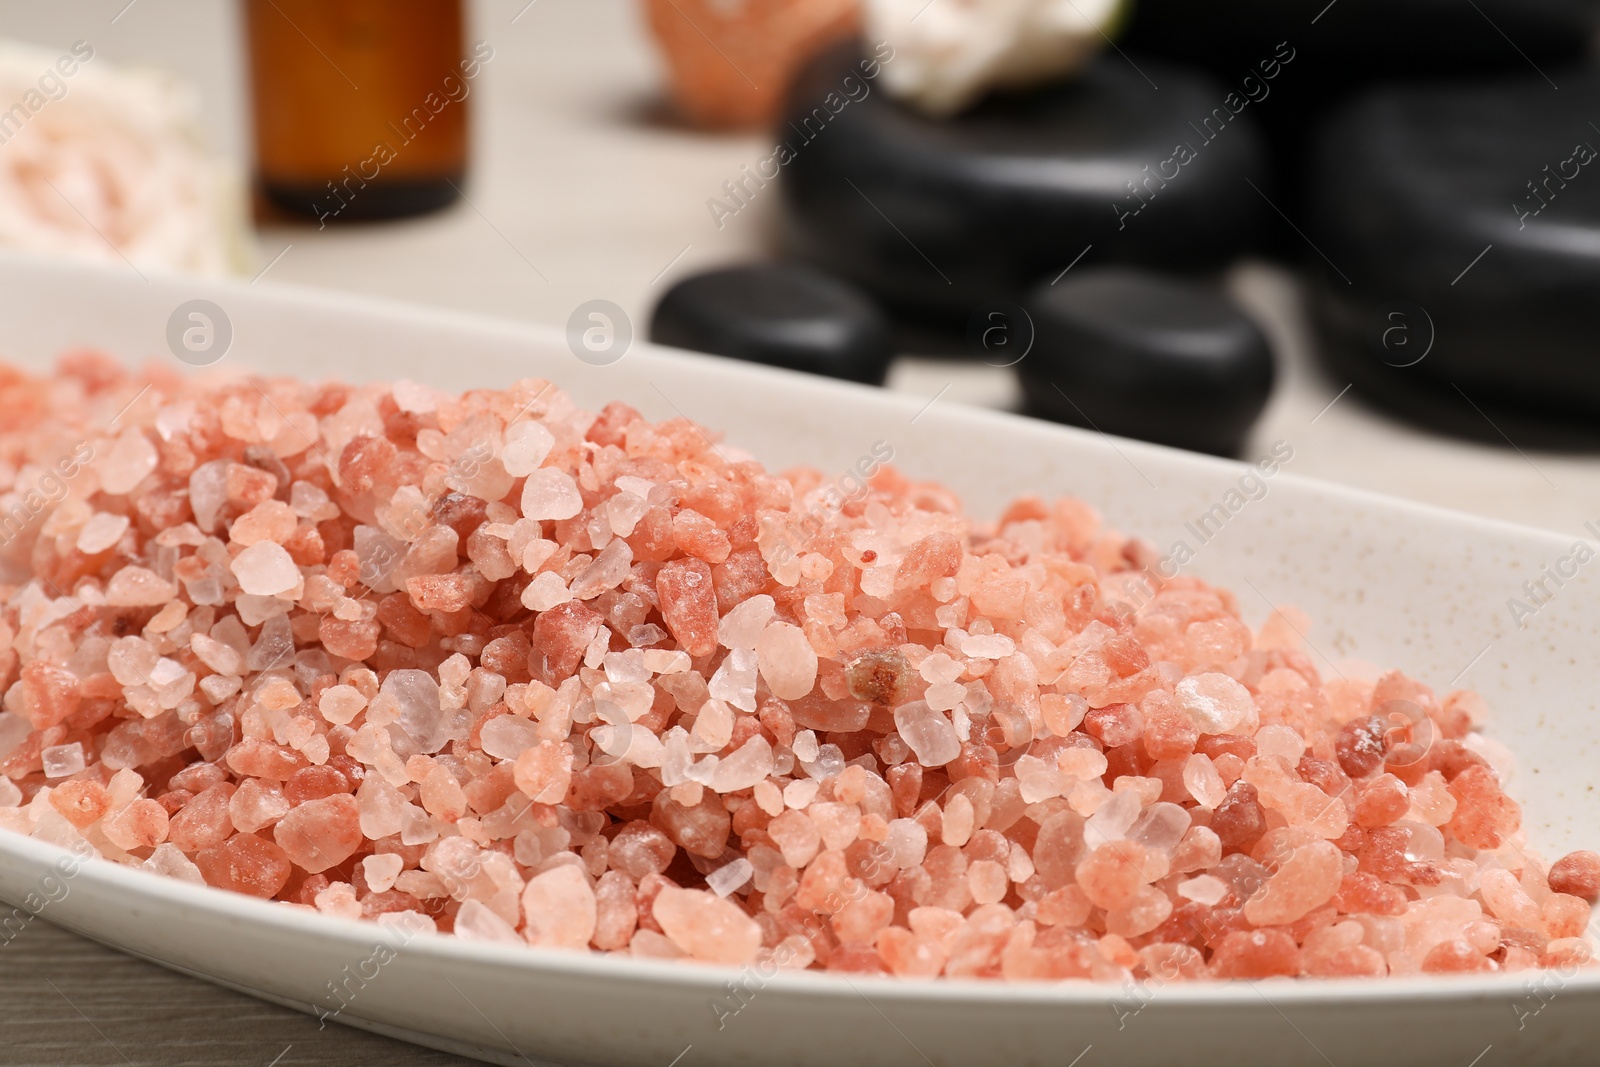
(1425, 163)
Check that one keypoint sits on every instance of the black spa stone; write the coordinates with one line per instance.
(938, 215)
(1361, 41)
(781, 314)
(1468, 216)
(1141, 355)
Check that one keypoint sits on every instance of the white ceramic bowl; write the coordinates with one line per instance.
(1385, 580)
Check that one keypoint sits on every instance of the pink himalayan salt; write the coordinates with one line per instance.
(1305, 879)
(135, 586)
(707, 927)
(102, 531)
(141, 824)
(544, 772)
(917, 724)
(1216, 703)
(550, 494)
(1577, 874)
(320, 834)
(559, 908)
(787, 661)
(130, 458)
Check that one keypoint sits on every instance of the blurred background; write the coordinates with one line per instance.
(1362, 228)
(1362, 234)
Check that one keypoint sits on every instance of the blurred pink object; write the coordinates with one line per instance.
(105, 164)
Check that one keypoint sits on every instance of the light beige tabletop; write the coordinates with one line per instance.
(584, 188)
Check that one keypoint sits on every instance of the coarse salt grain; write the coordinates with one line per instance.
(62, 761)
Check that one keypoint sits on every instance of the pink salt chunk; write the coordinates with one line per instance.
(559, 908)
(322, 833)
(707, 927)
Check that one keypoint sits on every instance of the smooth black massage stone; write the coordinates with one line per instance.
(781, 314)
(1354, 42)
(1338, 48)
(936, 216)
(1140, 355)
(1468, 216)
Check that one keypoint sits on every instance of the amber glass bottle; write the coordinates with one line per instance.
(360, 106)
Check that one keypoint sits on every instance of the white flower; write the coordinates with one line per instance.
(948, 53)
(102, 163)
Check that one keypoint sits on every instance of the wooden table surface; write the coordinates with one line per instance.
(583, 189)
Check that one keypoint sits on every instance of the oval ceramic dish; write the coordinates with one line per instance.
(1385, 580)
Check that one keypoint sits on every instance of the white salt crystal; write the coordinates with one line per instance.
(62, 761)
(735, 680)
(805, 746)
(476, 921)
(742, 626)
(1160, 827)
(1200, 777)
(644, 750)
(986, 646)
(635, 486)
(1038, 780)
(129, 459)
(546, 591)
(676, 758)
(787, 660)
(930, 735)
(507, 736)
(703, 771)
(725, 880)
(527, 445)
(713, 727)
(624, 511)
(907, 842)
(1206, 889)
(646, 634)
(416, 696)
(752, 763)
(800, 793)
(599, 644)
(940, 668)
(535, 553)
(309, 501)
(616, 736)
(629, 665)
(945, 695)
(666, 661)
(101, 532)
(216, 655)
(382, 807)
(266, 569)
(1112, 819)
(219, 687)
(274, 647)
(208, 491)
(550, 494)
(607, 571)
(168, 861)
(130, 660)
(1215, 702)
